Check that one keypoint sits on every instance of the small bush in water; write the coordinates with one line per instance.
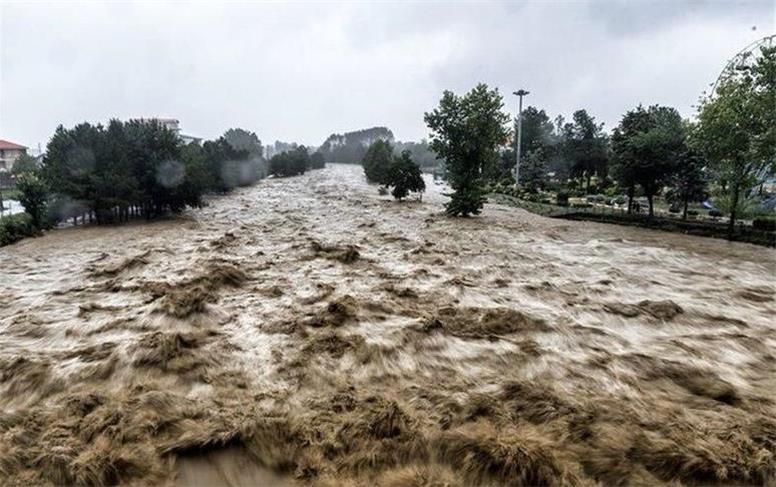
(16, 227)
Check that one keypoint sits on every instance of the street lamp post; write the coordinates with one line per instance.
(520, 94)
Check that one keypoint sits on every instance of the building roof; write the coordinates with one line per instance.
(5, 145)
(159, 119)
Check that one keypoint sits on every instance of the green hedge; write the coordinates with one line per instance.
(767, 223)
(16, 227)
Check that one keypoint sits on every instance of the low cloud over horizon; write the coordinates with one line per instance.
(301, 71)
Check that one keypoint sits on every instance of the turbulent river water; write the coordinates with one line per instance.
(308, 330)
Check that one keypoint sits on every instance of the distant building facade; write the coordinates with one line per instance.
(9, 152)
(173, 125)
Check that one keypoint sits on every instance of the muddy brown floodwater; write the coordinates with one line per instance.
(307, 330)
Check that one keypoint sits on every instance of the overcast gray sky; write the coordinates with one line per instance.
(300, 71)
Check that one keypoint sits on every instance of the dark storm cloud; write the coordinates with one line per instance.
(300, 71)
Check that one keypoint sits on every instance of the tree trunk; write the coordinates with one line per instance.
(631, 191)
(651, 206)
(733, 210)
(684, 215)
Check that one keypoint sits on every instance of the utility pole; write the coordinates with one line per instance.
(520, 94)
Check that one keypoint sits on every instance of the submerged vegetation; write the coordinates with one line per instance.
(291, 163)
(130, 169)
(390, 171)
(405, 176)
(134, 168)
(137, 168)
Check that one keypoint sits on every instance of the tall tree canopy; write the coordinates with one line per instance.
(533, 169)
(350, 147)
(228, 167)
(647, 145)
(585, 146)
(467, 132)
(377, 162)
(421, 154)
(538, 132)
(736, 129)
(33, 196)
(290, 163)
(24, 164)
(137, 165)
(689, 179)
(244, 140)
(405, 176)
(317, 160)
(537, 146)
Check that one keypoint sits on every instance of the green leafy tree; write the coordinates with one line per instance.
(227, 166)
(151, 149)
(33, 195)
(533, 170)
(377, 162)
(243, 140)
(585, 147)
(191, 175)
(70, 162)
(467, 131)
(114, 178)
(317, 160)
(736, 129)
(16, 227)
(647, 144)
(623, 161)
(538, 136)
(537, 130)
(421, 154)
(506, 167)
(252, 168)
(301, 158)
(135, 167)
(24, 163)
(350, 147)
(281, 166)
(743, 207)
(405, 176)
(290, 163)
(689, 179)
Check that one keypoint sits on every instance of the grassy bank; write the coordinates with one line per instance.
(742, 233)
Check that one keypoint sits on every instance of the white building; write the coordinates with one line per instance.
(173, 124)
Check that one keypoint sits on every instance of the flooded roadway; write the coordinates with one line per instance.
(307, 330)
